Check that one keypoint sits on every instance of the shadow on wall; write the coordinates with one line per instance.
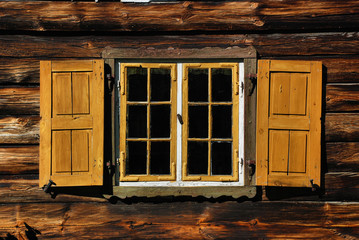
(30, 233)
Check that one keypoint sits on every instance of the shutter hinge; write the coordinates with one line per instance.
(253, 78)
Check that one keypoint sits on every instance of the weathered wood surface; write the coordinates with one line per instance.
(20, 100)
(342, 156)
(267, 45)
(182, 220)
(19, 71)
(179, 16)
(19, 159)
(19, 130)
(25, 188)
(342, 127)
(342, 98)
(26, 71)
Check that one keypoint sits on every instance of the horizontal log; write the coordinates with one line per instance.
(20, 100)
(19, 159)
(343, 98)
(26, 71)
(182, 220)
(25, 188)
(267, 45)
(19, 130)
(179, 16)
(342, 127)
(341, 69)
(336, 186)
(342, 156)
(19, 71)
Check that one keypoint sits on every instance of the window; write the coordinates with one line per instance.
(185, 137)
(182, 124)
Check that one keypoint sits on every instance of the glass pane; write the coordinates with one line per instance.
(136, 160)
(197, 157)
(160, 84)
(136, 84)
(222, 121)
(160, 158)
(198, 121)
(160, 121)
(221, 85)
(137, 121)
(197, 85)
(221, 158)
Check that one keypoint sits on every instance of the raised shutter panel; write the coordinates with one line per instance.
(288, 144)
(71, 126)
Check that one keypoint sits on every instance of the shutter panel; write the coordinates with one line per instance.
(71, 126)
(288, 123)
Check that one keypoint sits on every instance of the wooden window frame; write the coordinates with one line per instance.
(235, 123)
(123, 123)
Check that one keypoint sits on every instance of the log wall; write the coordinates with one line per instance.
(322, 30)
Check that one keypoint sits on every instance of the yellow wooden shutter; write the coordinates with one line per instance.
(288, 123)
(71, 127)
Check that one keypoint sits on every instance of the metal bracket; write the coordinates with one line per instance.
(47, 187)
(253, 78)
(314, 186)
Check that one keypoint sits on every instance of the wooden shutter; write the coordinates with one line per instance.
(71, 127)
(288, 123)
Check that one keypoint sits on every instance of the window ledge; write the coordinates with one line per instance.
(208, 192)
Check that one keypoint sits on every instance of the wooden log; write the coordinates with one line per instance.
(179, 16)
(336, 186)
(19, 71)
(182, 220)
(25, 189)
(342, 127)
(26, 71)
(342, 157)
(267, 45)
(342, 98)
(20, 100)
(19, 159)
(19, 130)
(341, 69)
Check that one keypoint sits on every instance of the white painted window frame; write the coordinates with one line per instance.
(179, 182)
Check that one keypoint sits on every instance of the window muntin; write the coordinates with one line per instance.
(226, 180)
(210, 116)
(148, 122)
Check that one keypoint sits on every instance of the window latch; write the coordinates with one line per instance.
(179, 116)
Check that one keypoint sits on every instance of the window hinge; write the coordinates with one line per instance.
(242, 87)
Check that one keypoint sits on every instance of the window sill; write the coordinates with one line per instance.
(208, 192)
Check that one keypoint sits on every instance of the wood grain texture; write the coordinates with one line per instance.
(24, 188)
(342, 156)
(342, 127)
(228, 220)
(26, 71)
(267, 45)
(19, 71)
(19, 159)
(19, 130)
(178, 16)
(342, 98)
(19, 100)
